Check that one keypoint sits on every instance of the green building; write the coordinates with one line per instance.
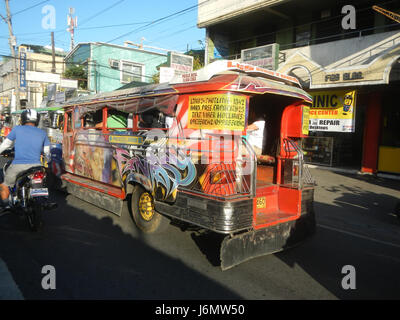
(111, 66)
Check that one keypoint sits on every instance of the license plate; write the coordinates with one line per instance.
(39, 192)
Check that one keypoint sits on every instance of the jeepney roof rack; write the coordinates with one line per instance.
(223, 66)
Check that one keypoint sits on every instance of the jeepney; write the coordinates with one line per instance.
(180, 151)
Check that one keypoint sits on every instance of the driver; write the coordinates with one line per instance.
(29, 142)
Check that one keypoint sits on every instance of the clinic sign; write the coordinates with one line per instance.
(333, 111)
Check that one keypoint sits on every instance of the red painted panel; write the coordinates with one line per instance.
(372, 134)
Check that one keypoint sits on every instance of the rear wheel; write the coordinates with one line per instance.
(34, 217)
(146, 218)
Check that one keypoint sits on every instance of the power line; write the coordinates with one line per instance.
(23, 10)
(102, 11)
(156, 21)
(152, 23)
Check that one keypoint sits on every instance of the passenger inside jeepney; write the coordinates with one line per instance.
(93, 120)
(116, 120)
(152, 119)
(257, 135)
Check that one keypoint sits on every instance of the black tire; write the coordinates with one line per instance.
(34, 217)
(147, 221)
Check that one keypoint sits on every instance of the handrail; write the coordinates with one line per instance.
(304, 175)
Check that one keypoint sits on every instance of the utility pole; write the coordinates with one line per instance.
(53, 53)
(13, 43)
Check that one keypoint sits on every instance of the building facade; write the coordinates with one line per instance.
(35, 71)
(349, 60)
(109, 66)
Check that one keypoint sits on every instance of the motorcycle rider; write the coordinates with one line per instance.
(29, 142)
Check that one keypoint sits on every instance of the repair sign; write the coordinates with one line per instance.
(333, 111)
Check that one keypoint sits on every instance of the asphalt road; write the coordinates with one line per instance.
(97, 255)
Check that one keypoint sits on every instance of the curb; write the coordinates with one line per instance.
(354, 171)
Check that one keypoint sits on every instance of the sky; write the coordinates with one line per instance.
(164, 24)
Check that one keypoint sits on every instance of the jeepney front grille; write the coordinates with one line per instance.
(224, 180)
(227, 179)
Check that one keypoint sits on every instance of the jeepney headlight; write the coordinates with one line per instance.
(223, 177)
(295, 169)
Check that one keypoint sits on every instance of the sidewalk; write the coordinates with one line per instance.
(358, 204)
(353, 171)
(8, 288)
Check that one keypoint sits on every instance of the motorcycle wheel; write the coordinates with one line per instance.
(34, 217)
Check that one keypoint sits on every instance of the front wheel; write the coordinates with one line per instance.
(144, 214)
(34, 217)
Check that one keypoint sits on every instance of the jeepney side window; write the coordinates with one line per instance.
(93, 120)
(69, 122)
(117, 120)
(153, 119)
(77, 122)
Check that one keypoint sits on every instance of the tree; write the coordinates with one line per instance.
(77, 72)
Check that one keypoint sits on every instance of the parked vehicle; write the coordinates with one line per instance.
(179, 151)
(29, 195)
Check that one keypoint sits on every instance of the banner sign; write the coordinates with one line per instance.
(181, 63)
(4, 101)
(217, 111)
(264, 56)
(166, 74)
(51, 92)
(22, 70)
(333, 111)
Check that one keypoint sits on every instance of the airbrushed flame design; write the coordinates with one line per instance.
(168, 170)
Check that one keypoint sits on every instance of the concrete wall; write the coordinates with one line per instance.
(327, 53)
(43, 62)
(214, 11)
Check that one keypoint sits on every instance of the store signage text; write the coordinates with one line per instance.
(347, 76)
(333, 111)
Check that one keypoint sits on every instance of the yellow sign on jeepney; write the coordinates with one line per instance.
(217, 111)
(306, 120)
(122, 139)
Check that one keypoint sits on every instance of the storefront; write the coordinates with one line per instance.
(354, 121)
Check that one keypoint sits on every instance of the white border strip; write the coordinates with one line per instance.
(359, 236)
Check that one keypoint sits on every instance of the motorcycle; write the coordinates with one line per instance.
(29, 196)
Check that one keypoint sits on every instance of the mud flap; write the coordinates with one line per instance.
(255, 243)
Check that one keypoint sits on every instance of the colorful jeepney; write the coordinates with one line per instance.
(180, 151)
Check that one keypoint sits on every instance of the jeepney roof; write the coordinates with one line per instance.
(235, 77)
(40, 110)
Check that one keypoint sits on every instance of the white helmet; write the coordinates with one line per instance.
(29, 115)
